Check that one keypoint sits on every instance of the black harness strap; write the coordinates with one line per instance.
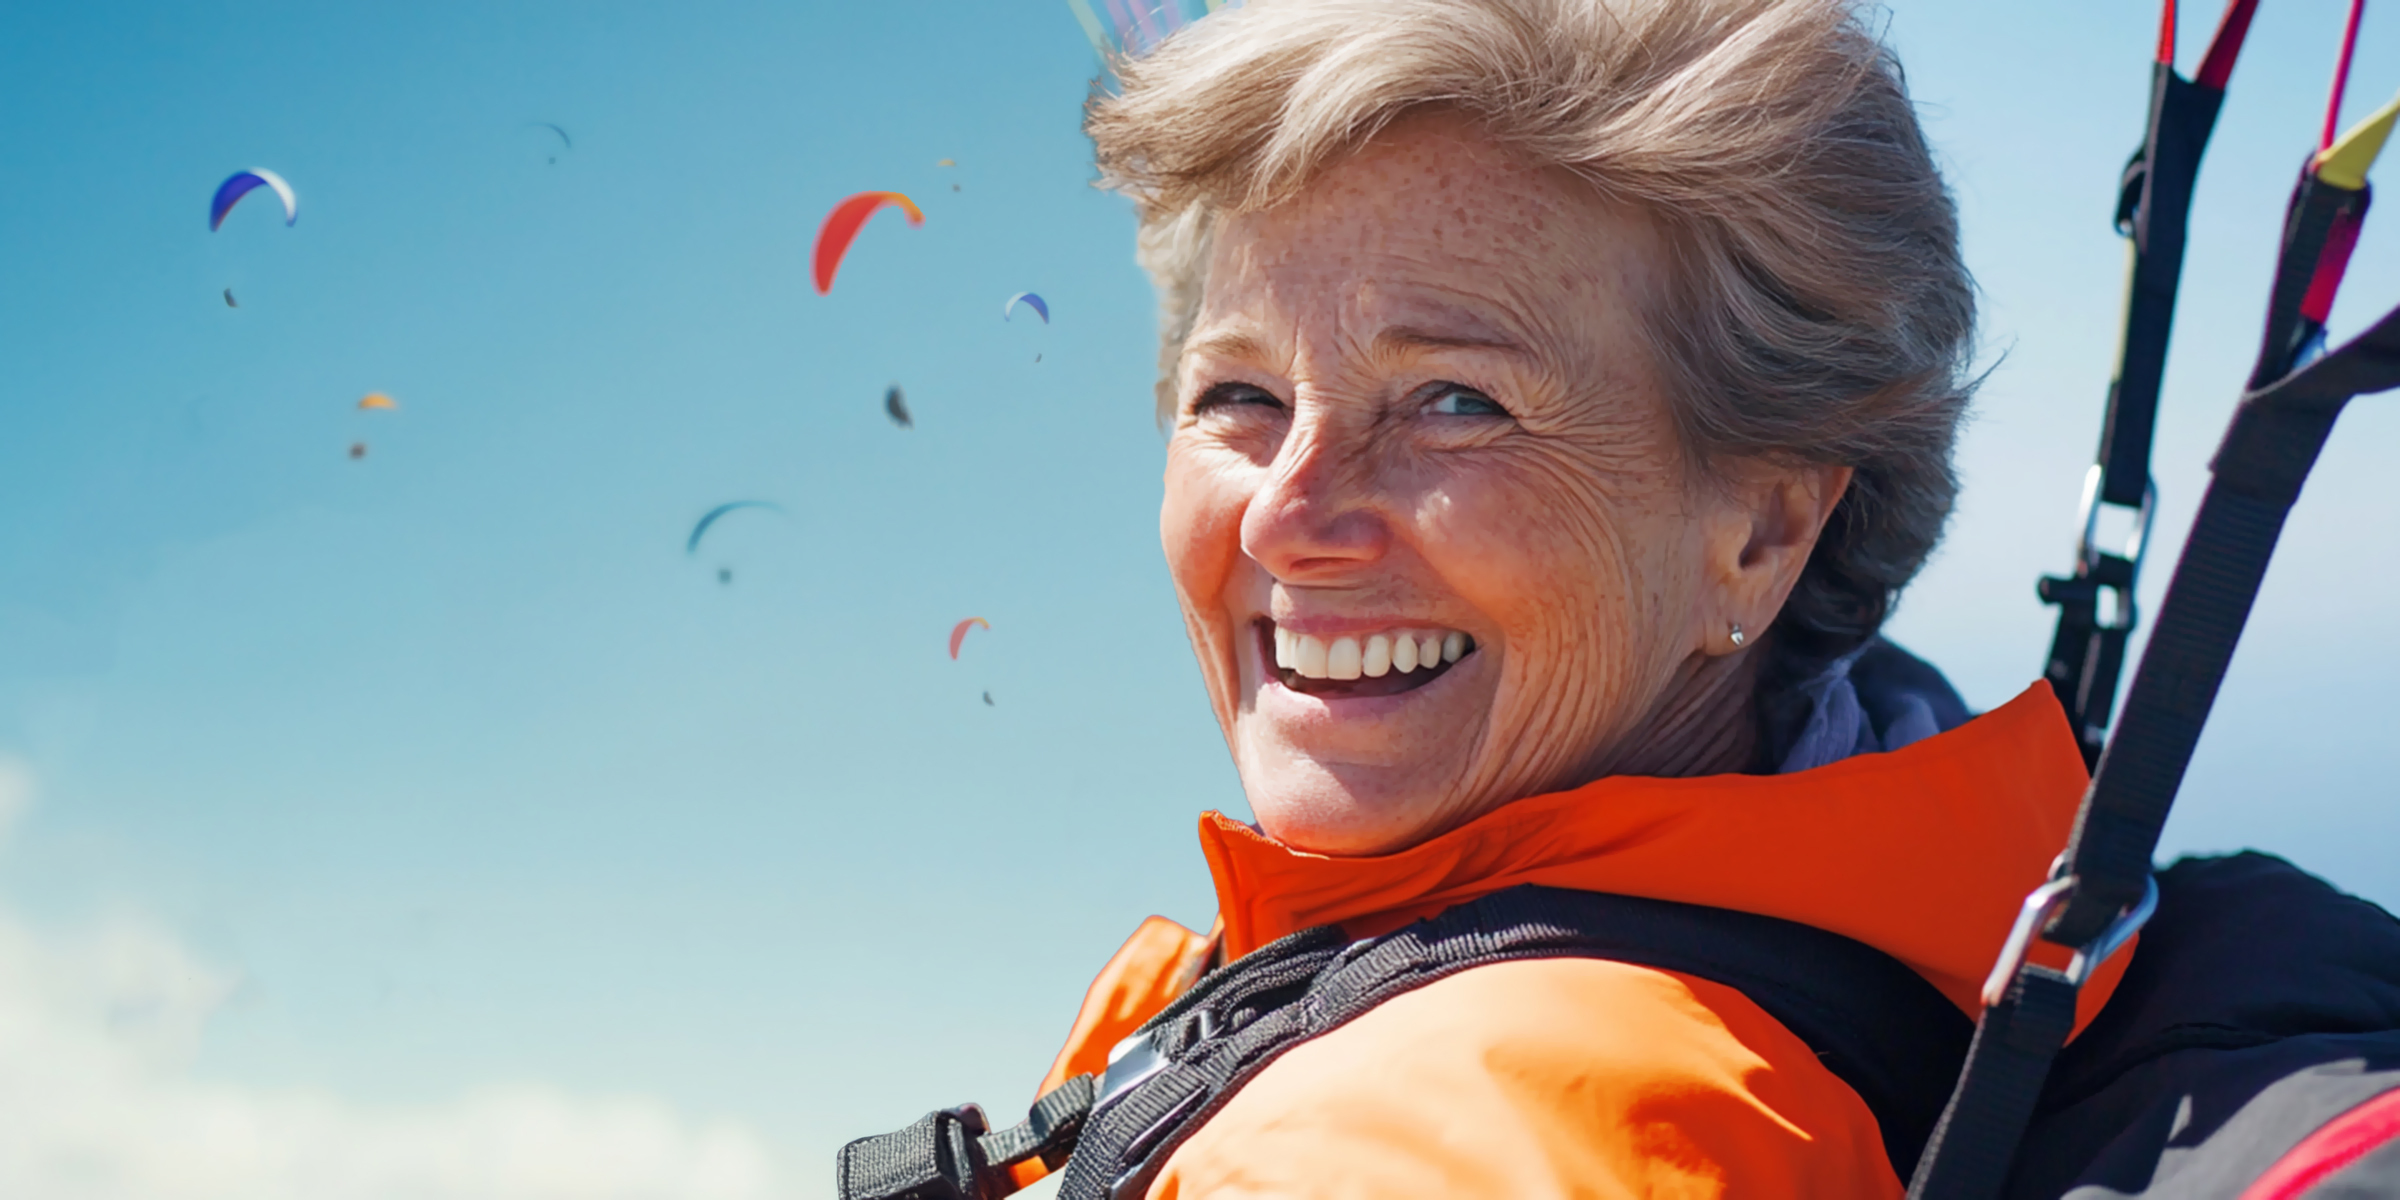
(1876, 1025)
(2153, 206)
(2102, 885)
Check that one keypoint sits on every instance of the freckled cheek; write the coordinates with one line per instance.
(1200, 527)
(1522, 546)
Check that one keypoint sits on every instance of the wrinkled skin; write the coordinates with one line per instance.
(1420, 394)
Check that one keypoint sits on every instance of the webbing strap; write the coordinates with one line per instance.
(2153, 207)
(1997, 1090)
(1048, 1132)
(2256, 477)
(1873, 1022)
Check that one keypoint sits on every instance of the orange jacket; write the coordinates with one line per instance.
(1582, 1077)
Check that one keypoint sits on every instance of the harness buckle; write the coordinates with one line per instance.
(2040, 905)
(2098, 565)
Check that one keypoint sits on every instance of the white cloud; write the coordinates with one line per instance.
(97, 1101)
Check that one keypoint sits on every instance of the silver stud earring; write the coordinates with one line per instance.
(1738, 639)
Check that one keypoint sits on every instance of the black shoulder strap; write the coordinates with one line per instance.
(2101, 890)
(2153, 204)
(1875, 1024)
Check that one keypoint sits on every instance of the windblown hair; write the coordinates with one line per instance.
(1818, 309)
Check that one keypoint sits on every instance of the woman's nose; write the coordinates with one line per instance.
(1316, 514)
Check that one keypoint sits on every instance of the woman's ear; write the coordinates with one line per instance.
(1772, 516)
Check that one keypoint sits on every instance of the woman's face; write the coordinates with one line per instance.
(1426, 511)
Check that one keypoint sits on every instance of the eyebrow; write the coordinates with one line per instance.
(1391, 340)
(1404, 337)
(1227, 343)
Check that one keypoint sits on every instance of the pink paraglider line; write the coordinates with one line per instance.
(2341, 76)
(958, 633)
(843, 224)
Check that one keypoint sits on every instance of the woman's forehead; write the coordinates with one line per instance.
(1436, 233)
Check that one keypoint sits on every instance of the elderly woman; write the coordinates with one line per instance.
(1560, 394)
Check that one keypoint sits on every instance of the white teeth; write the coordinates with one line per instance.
(1371, 657)
(1343, 661)
(1308, 656)
(1379, 657)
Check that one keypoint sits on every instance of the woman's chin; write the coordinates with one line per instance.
(1347, 810)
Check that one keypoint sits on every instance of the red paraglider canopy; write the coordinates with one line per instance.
(843, 223)
(958, 633)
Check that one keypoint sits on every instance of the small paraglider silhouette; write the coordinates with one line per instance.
(1029, 300)
(229, 299)
(987, 700)
(563, 139)
(377, 400)
(958, 633)
(691, 545)
(895, 406)
(842, 225)
(242, 183)
(358, 450)
(946, 163)
(724, 576)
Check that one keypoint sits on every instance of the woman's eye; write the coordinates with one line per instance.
(1452, 400)
(1229, 395)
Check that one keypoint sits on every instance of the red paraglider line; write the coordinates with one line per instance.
(2226, 46)
(843, 224)
(2341, 74)
(2317, 304)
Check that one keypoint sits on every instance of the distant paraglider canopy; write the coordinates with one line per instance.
(563, 139)
(1029, 300)
(242, 183)
(895, 406)
(377, 400)
(1132, 27)
(958, 633)
(842, 225)
(229, 299)
(692, 544)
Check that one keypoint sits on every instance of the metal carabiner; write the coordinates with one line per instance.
(2035, 912)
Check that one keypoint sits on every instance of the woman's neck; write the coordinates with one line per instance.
(1706, 724)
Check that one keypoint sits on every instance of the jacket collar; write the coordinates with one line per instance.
(1923, 853)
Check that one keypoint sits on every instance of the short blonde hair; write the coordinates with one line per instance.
(1819, 309)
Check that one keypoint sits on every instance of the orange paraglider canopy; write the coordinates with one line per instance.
(843, 223)
(377, 400)
(958, 633)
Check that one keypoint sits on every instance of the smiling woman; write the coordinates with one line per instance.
(1559, 394)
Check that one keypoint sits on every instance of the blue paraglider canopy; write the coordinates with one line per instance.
(1029, 300)
(692, 545)
(241, 184)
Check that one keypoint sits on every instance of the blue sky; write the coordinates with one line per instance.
(369, 787)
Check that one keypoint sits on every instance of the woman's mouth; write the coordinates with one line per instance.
(1357, 665)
